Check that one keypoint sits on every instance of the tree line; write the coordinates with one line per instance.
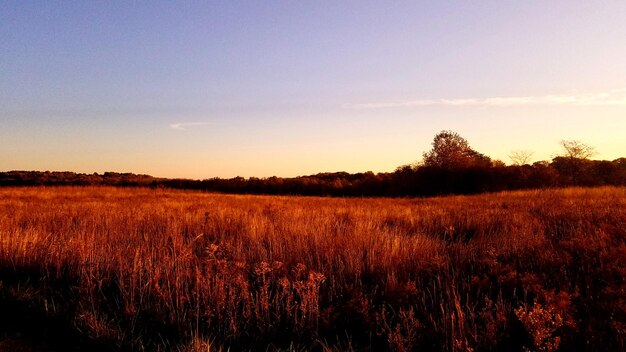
(450, 167)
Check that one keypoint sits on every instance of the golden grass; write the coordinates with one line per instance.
(540, 270)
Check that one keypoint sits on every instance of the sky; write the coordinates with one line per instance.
(201, 89)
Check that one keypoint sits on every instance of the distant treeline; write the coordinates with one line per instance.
(405, 181)
(451, 167)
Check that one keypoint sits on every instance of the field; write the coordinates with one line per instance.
(154, 269)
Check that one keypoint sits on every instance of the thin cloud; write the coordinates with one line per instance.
(183, 126)
(613, 97)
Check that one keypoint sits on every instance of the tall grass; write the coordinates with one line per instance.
(148, 269)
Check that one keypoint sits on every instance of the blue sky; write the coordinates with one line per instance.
(201, 89)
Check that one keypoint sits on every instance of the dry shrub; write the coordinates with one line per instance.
(401, 330)
(541, 323)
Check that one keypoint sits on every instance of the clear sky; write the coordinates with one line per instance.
(199, 89)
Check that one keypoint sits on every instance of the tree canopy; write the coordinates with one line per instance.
(451, 151)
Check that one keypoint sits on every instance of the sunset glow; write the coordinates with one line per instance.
(199, 90)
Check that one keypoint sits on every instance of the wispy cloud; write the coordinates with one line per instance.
(613, 97)
(183, 126)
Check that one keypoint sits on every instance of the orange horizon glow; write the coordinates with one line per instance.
(289, 89)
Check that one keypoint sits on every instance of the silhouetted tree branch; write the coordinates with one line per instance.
(520, 157)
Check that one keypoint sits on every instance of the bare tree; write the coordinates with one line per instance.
(574, 159)
(520, 157)
(573, 149)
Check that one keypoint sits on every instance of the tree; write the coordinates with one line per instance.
(576, 149)
(520, 157)
(451, 151)
(572, 162)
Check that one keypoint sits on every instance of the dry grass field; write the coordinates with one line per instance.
(145, 269)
